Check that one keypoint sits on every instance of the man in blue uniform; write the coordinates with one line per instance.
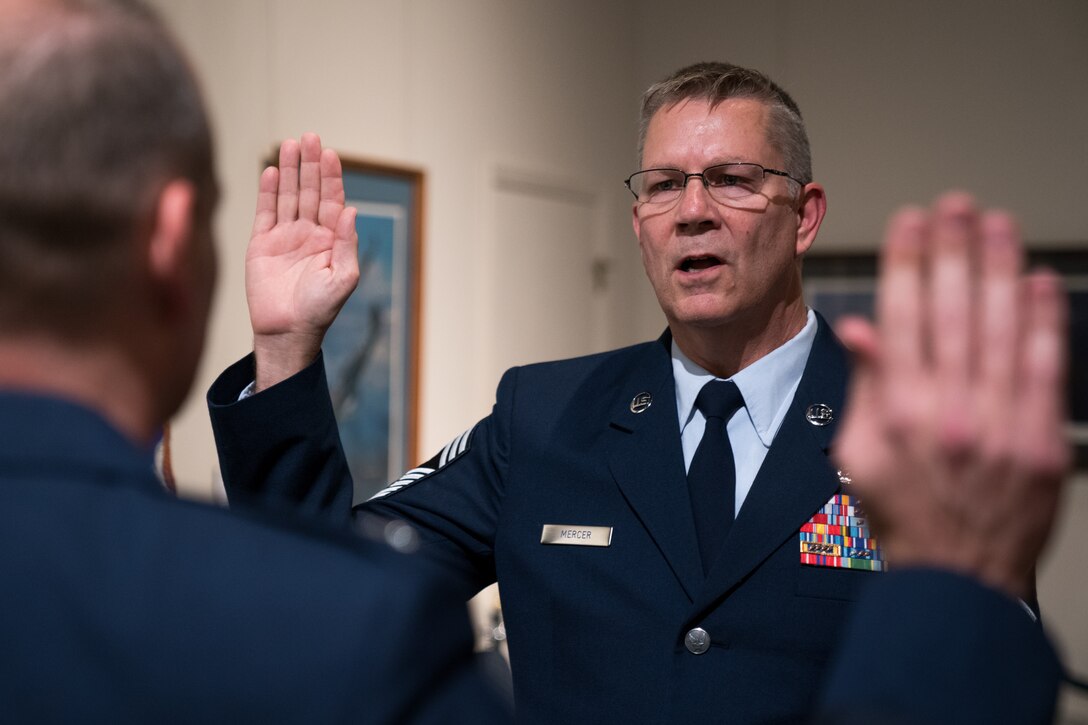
(120, 603)
(632, 589)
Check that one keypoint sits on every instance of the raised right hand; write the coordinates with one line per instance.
(302, 262)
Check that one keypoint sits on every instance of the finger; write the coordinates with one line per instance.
(345, 247)
(859, 440)
(951, 324)
(1042, 445)
(265, 218)
(899, 295)
(860, 337)
(287, 204)
(309, 191)
(332, 189)
(999, 321)
(955, 231)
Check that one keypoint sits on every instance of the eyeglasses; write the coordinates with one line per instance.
(731, 184)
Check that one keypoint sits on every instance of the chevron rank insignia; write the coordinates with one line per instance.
(838, 536)
(451, 452)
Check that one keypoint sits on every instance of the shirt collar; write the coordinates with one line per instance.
(768, 384)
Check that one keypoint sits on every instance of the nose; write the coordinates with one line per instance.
(694, 209)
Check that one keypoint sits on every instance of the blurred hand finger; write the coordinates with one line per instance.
(999, 322)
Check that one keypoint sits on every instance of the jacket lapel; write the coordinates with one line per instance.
(647, 463)
(796, 478)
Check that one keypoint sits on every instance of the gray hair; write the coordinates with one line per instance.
(717, 82)
(98, 110)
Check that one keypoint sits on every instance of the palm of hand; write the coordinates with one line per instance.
(290, 279)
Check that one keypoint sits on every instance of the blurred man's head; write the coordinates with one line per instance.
(106, 187)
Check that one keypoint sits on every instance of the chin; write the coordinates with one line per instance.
(702, 313)
(699, 322)
(707, 323)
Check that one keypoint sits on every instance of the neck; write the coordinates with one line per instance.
(728, 348)
(93, 374)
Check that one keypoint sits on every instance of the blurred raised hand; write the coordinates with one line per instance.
(954, 435)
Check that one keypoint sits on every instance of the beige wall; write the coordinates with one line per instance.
(903, 100)
(471, 92)
(495, 97)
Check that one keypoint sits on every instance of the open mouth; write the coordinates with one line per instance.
(694, 264)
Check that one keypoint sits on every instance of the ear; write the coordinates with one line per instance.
(810, 215)
(169, 263)
(635, 221)
(171, 230)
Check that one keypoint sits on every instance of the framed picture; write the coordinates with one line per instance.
(372, 349)
(845, 284)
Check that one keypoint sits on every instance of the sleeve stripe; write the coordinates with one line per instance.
(453, 450)
(410, 477)
(444, 458)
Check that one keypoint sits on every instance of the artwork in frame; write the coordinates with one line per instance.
(372, 349)
(836, 285)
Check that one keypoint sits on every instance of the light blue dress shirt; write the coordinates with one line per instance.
(768, 386)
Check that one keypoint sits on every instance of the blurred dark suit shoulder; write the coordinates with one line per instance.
(123, 604)
(929, 647)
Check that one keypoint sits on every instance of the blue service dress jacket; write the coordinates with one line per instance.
(122, 604)
(596, 633)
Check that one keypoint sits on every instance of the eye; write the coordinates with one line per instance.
(726, 180)
(736, 177)
(660, 183)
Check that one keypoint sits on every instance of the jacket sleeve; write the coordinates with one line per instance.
(929, 646)
(454, 500)
(279, 450)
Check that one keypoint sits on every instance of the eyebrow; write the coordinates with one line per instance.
(733, 160)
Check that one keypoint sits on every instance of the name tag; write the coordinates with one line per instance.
(576, 535)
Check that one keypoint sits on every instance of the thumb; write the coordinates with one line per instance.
(345, 250)
(860, 432)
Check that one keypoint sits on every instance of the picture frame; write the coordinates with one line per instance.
(371, 351)
(838, 284)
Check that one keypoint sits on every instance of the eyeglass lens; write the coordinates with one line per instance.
(727, 183)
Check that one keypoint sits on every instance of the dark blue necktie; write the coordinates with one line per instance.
(712, 475)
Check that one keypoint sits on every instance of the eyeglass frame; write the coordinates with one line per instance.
(702, 176)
